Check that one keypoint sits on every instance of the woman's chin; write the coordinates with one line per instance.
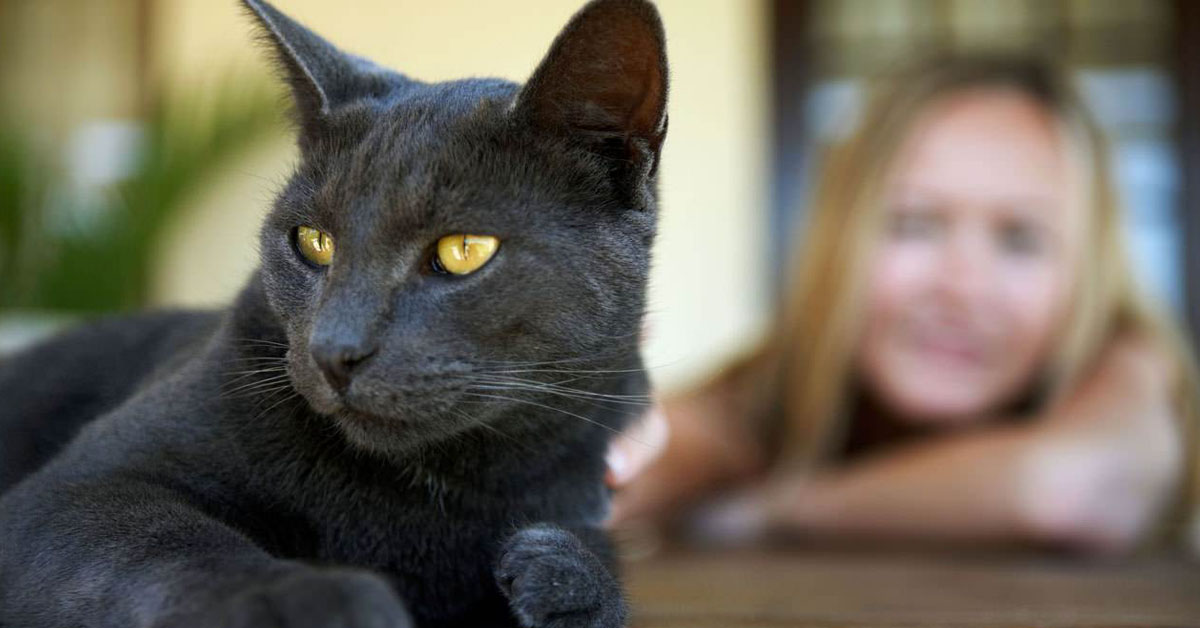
(934, 408)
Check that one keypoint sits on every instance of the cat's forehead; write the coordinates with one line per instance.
(444, 151)
(418, 125)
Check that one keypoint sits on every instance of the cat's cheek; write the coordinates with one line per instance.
(291, 293)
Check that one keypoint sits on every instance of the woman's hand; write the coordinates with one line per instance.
(684, 448)
(637, 447)
(1109, 456)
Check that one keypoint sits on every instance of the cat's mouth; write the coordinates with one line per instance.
(355, 405)
(379, 404)
(388, 411)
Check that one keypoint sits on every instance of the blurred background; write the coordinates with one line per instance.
(141, 141)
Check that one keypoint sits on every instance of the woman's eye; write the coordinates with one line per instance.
(315, 245)
(1021, 240)
(914, 225)
(463, 253)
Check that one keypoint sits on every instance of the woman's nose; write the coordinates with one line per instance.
(963, 272)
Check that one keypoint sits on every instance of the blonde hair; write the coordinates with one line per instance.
(799, 382)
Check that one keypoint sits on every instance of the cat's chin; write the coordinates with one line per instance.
(368, 431)
(389, 428)
(377, 421)
(389, 434)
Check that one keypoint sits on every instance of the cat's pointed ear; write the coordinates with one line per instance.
(321, 76)
(605, 78)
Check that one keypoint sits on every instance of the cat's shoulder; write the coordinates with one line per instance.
(55, 387)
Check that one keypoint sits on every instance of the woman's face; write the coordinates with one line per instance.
(971, 279)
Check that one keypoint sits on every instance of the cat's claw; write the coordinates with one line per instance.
(553, 581)
(319, 599)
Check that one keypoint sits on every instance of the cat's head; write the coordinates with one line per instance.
(444, 249)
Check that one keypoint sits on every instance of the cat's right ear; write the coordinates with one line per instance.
(321, 76)
(604, 81)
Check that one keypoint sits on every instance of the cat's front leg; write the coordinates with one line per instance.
(317, 598)
(121, 552)
(554, 580)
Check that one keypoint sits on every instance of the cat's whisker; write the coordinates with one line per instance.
(566, 389)
(263, 341)
(270, 394)
(252, 350)
(474, 421)
(265, 393)
(239, 369)
(266, 358)
(554, 409)
(241, 379)
(259, 354)
(559, 384)
(621, 406)
(556, 383)
(235, 377)
(576, 374)
(588, 406)
(253, 346)
(594, 358)
(264, 412)
(270, 369)
(631, 334)
(266, 382)
(259, 364)
(597, 357)
(281, 373)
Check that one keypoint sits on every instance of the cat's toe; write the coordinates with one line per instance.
(553, 581)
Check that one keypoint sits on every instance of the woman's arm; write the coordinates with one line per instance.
(1093, 472)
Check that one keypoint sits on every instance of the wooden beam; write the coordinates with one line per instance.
(791, 61)
(1186, 73)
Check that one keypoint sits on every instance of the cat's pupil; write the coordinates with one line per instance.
(436, 264)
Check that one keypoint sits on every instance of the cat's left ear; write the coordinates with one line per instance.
(605, 81)
(322, 77)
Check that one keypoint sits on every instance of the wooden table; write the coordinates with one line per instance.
(770, 589)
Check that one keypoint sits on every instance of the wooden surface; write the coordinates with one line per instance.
(769, 589)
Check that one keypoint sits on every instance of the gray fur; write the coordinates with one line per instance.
(201, 469)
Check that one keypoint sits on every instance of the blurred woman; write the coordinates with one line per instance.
(963, 352)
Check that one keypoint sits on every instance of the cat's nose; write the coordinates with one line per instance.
(338, 361)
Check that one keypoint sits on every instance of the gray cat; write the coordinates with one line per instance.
(403, 417)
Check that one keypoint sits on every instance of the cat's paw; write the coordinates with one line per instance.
(553, 581)
(319, 599)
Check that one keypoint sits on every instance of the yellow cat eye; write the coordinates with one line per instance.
(463, 253)
(315, 245)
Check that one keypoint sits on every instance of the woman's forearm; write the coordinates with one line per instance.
(966, 486)
(1093, 472)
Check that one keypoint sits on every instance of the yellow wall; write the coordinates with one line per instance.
(706, 297)
(64, 62)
